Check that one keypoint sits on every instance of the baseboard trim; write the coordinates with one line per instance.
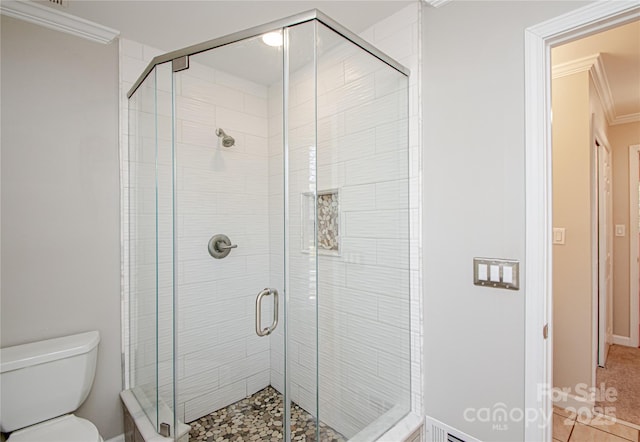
(118, 438)
(622, 340)
(563, 399)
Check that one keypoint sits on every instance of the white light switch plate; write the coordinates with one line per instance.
(620, 230)
(558, 235)
(498, 273)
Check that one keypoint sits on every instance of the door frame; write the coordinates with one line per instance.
(634, 252)
(539, 40)
(602, 323)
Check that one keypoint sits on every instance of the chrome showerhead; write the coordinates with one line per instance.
(227, 141)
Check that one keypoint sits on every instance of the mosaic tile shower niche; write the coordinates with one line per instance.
(325, 217)
(269, 237)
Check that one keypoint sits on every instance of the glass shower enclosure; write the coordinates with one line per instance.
(269, 236)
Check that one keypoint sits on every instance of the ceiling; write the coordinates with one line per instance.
(255, 61)
(619, 49)
(173, 24)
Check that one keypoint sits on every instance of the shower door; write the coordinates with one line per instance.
(230, 185)
(280, 180)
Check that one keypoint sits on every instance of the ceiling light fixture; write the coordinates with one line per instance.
(273, 38)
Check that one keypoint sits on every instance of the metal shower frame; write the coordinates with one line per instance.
(293, 20)
(180, 56)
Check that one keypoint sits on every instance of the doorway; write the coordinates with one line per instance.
(590, 203)
(604, 323)
(634, 244)
(539, 303)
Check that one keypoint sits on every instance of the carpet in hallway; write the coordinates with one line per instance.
(622, 372)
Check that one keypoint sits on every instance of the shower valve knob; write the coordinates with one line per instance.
(220, 246)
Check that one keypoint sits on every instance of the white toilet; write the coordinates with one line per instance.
(42, 383)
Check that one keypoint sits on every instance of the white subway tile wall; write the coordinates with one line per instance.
(220, 190)
(363, 294)
(217, 190)
(398, 36)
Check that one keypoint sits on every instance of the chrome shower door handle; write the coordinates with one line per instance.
(267, 331)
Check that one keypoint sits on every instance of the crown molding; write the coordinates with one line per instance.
(436, 3)
(57, 20)
(625, 119)
(594, 65)
(601, 83)
(574, 66)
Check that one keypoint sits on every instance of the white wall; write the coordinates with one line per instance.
(622, 136)
(473, 107)
(572, 261)
(60, 214)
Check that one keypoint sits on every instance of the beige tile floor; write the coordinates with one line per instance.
(567, 427)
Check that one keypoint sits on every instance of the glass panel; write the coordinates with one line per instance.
(300, 231)
(295, 148)
(363, 287)
(150, 246)
(228, 110)
(164, 259)
(142, 246)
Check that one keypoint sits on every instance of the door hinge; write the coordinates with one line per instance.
(180, 63)
(545, 331)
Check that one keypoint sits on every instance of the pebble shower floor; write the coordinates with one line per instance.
(259, 418)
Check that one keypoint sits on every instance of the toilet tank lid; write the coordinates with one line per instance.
(21, 356)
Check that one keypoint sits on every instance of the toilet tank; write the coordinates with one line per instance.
(45, 379)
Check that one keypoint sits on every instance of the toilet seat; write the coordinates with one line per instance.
(68, 428)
